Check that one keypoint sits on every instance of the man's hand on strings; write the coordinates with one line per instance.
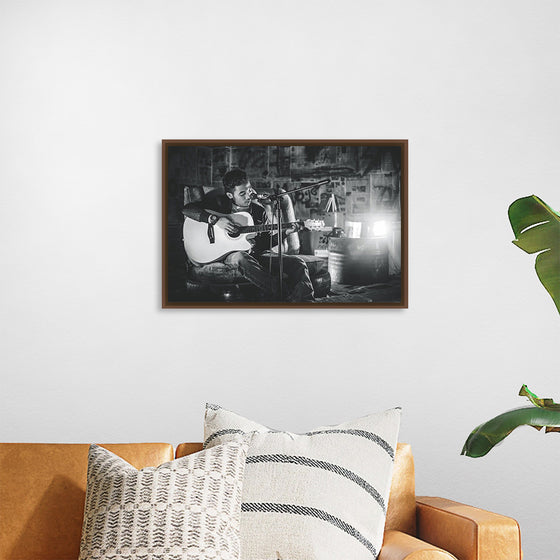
(228, 225)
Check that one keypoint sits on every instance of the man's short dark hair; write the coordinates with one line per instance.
(234, 178)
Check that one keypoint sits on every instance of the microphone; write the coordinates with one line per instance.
(255, 196)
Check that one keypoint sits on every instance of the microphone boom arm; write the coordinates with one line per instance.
(277, 195)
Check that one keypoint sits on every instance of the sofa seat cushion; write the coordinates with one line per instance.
(321, 494)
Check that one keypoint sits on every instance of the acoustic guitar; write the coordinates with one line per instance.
(204, 245)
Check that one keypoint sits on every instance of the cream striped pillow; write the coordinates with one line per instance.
(321, 495)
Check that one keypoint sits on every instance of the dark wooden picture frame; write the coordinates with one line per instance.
(353, 195)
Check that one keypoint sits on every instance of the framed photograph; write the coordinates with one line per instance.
(285, 223)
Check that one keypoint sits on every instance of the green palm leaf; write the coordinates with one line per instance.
(543, 413)
(537, 229)
(537, 401)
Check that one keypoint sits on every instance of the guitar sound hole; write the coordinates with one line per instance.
(234, 235)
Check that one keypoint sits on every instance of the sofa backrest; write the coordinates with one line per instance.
(401, 510)
(42, 494)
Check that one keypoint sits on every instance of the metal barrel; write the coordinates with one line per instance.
(358, 261)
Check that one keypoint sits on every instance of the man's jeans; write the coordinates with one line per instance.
(255, 268)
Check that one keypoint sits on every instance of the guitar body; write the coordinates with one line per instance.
(199, 248)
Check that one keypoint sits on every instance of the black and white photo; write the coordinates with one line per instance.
(277, 223)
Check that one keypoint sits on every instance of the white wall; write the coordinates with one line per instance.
(89, 89)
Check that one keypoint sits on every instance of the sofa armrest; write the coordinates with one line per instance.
(401, 546)
(467, 532)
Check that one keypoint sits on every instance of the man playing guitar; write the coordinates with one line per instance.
(254, 264)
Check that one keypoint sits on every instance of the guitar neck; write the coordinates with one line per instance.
(265, 227)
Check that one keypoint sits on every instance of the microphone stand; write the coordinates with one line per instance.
(277, 209)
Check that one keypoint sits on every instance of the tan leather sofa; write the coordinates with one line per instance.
(42, 492)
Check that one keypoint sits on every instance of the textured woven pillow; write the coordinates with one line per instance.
(185, 509)
(321, 495)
